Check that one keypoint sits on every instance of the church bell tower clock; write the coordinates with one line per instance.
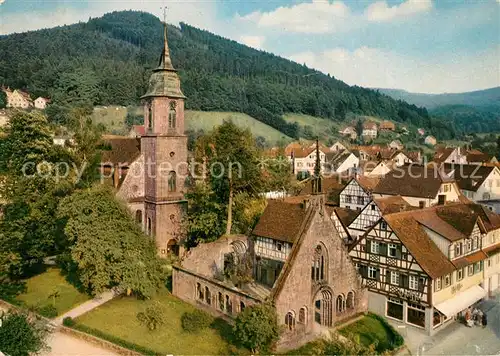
(164, 147)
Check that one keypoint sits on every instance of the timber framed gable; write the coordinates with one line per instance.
(388, 268)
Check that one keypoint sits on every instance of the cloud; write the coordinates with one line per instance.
(199, 14)
(2, 1)
(313, 17)
(373, 67)
(381, 11)
(253, 41)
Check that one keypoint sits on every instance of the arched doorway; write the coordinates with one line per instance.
(323, 308)
(173, 247)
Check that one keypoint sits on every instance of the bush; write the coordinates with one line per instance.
(256, 328)
(48, 311)
(69, 322)
(396, 340)
(195, 321)
(152, 317)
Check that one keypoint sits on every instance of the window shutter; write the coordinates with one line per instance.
(387, 276)
(383, 249)
(377, 274)
(368, 246)
(364, 271)
(403, 281)
(398, 252)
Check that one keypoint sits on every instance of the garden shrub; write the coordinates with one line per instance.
(48, 311)
(69, 322)
(195, 321)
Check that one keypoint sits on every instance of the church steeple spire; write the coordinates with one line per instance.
(316, 179)
(165, 61)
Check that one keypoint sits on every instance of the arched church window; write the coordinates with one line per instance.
(303, 315)
(290, 320)
(172, 115)
(350, 300)
(208, 296)
(138, 216)
(319, 264)
(172, 181)
(340, 304)
(149, 228)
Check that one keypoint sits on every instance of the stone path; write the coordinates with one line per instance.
(62, 344)
(86, 307)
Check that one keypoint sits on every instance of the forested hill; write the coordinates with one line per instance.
(108, 61)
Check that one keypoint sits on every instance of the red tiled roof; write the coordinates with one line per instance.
(368, 183)
(394, 204)
(281, 220)
(123, 150)
(470, 259)
(139, 129)
(419, 244)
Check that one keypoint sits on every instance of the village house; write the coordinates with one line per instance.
(17, 99)
(337, 147)
(387, 126)
(476, 182)
(419, 186)
(430, 141)
(425, 267)
(358, 192)
(309, 297)
(396, 145)
(350, 132)
(476, 156)
(369, 130)
(375, 168)
(304, 159)
(449, 155)
(340, 161)
(41, 103)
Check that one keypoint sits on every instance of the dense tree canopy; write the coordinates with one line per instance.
(21, 334)
(107, 247)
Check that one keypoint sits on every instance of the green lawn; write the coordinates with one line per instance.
(320, 127)
(373, 329)
(118, 318)
(40, 287)
(206, 121)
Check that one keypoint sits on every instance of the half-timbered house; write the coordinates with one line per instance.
(424, 267)
(358, 192)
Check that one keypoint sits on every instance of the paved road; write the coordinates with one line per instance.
(86, 307)
(457, 339)
(63, 344)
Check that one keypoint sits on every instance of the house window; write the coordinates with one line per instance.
(460, 274)
(395, 278)
(416, 314)
(447, 280)
(395, 308)
(421, 204)
(438, 284)
(446, 188)
(392, 250)
(149, 227)
(383, 225)
(458, 249)
(375, 247)
(278, 246)
(413, 282)
(373, 206)
(469, 245)
(471, 270)
(242, 306)
(340, 304)
(372, 272)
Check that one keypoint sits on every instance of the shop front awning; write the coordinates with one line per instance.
(461, 301)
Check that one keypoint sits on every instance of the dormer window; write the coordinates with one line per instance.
(279, 246)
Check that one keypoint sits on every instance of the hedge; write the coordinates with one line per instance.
(114, 339)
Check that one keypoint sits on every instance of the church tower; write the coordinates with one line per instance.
(164, 147)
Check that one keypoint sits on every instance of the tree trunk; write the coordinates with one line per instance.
(230, 209)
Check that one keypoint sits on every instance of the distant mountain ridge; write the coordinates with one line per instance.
(108, 60)
(479, 98)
